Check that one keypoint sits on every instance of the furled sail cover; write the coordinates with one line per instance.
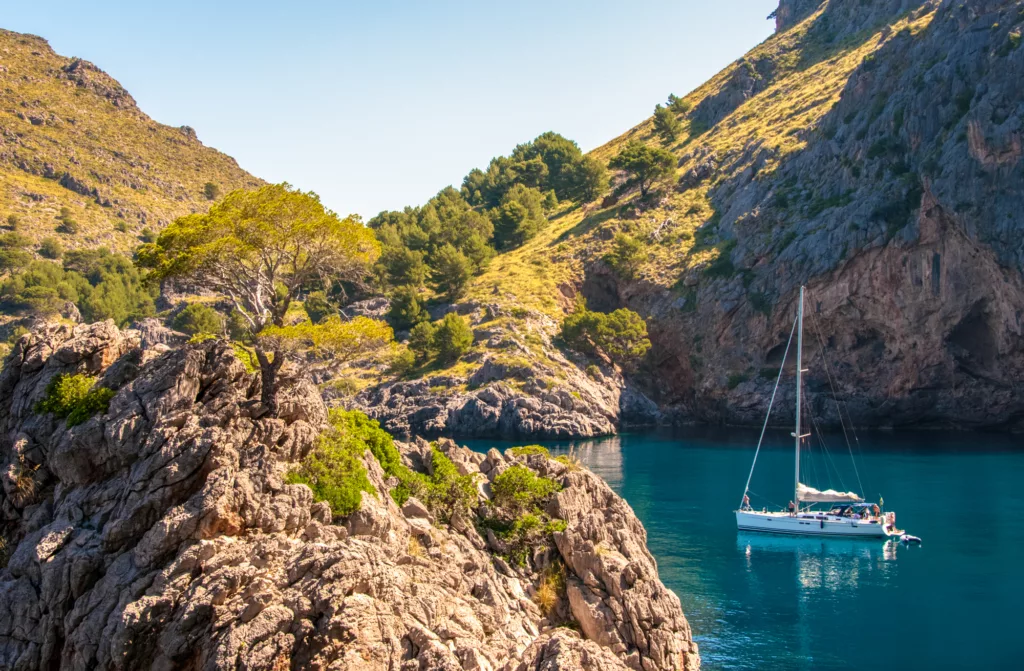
(812, 495)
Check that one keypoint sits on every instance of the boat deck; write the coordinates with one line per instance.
(813, 524)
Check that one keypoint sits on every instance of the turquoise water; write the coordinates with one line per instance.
(757, 601)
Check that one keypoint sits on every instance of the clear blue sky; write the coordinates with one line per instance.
(379, 104)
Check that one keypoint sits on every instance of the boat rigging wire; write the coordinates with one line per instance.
(770, 404)
(839, 407)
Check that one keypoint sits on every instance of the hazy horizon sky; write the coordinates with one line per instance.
(380, 105)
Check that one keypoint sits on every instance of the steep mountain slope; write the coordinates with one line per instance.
(870, 150)
(71, 136)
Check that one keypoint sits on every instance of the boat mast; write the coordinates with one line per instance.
(799, 374)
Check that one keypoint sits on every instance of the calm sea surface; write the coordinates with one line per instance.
(758, 601)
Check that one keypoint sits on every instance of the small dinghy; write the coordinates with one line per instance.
(907, 539)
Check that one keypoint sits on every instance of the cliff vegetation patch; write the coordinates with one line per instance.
(76, 397)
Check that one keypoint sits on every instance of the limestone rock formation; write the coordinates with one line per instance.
(161, 534)
(901, 215)
(513, 391)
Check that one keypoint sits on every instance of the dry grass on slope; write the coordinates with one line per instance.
(756, 136)
(71, 136)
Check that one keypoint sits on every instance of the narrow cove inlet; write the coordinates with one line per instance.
(340, 361)
(763, 601)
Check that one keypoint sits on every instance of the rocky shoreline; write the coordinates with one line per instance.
(161, 534)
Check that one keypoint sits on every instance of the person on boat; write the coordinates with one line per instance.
(746, 502)
(792, 508)
(875, 510)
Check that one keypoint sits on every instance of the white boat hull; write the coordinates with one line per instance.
(809, 524)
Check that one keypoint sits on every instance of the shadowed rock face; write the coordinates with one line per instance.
(902, 216)
(792, 12)
(510, 394)
(161, 535)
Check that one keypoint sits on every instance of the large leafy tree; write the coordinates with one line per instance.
(261, 249)
(645, 165)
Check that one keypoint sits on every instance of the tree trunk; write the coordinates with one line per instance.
(268, 379)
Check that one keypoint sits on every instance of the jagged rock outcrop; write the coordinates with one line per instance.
(161, 534)
(520, 389)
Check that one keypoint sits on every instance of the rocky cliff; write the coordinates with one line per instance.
(517, 383)
(869, 150)
(161, 534)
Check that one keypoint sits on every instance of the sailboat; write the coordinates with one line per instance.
(847, 513)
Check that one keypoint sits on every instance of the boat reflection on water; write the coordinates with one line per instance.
(830, 564)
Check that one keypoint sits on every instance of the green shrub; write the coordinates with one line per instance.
(421, 341)
(13, 221)
(453, 337)
(334, 470)
(211, 191)
(518, 489)
(644, 165)
(736, 379)
(103, 285)
(199, 318)
(403, 361)
(626, 256)
(621, 335)
(366, 434)
(451, 273)
(318, 307)
(247, 357)
(148, 235)
(75, 397)
(50, 248)
(14, 240)
(367, 431)
(721, 267)
(525, 534)
(67, 225)
(406, 310)
(570, 460)
(13, 259)
(121, 226)
(666, 124)
(555, 526)
(593, 371)
(527, 450)
(447, 493)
